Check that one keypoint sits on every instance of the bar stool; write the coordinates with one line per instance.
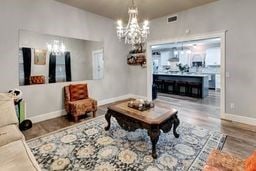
(195, 89)
(154, 91)
(160, 85)
(170, 86)
(182, 88)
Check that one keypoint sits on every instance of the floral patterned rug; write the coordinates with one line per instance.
(87, 146)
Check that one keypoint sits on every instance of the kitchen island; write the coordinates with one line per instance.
(188, 79)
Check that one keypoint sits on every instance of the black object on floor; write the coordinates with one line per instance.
(25, 125)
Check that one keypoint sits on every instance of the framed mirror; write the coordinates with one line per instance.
(45, 58)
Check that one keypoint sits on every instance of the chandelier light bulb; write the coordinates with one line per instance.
(49, 47)
(119, 22)
(146, 22)
(55, 47)
(62, 48)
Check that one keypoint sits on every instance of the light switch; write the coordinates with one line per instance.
(227, 75)
(232, 105)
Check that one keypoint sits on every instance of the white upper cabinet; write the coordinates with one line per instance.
(212, 56)
(165, 56)
(184, 59)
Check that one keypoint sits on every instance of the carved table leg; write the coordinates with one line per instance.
(154, 136)
(108, 118)
(176, 124)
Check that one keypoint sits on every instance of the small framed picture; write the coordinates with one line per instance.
(40, 56)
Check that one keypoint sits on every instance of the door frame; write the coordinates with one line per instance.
(218, 34)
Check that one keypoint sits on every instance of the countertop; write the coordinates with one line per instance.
(181, 75)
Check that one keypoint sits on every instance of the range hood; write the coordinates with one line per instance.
(174, 55)
(173, 59)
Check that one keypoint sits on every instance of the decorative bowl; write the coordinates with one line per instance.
(140, 104)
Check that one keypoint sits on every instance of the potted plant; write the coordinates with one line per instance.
(183, 68)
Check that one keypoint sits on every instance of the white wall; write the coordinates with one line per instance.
(236, 16)
(51, 17)
(137, 80)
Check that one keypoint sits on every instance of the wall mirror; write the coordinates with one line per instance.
(47, 59)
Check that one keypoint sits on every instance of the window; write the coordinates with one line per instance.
(60, 68)
(21, 68)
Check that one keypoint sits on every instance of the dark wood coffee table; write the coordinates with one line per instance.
(153, 120)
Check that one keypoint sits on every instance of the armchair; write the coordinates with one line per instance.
(77, 101)
(221, 161)
(37, 79)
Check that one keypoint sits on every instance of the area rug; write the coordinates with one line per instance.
(87, 146)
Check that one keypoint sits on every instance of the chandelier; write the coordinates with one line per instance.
(133, 33)
(56, 47)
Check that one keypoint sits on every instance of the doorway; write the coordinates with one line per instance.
(197, 61)
(97, 63)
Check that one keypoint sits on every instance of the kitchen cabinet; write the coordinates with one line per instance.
(212, 81)
(189, 78)
(217, 82)
(165, 56)
(212, 56)
(184, 59)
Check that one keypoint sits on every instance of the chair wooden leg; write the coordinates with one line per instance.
(94, 114)
(76, 118)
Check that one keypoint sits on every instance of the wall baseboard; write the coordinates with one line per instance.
(240, 119)
(112, 100)
(55, 114)
(115, 99)
(47, 116)
(138, 96)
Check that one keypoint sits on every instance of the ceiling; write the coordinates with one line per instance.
(148, 9)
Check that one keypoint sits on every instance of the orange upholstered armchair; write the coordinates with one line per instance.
(221, 161)
(37, 79)
(77, 101)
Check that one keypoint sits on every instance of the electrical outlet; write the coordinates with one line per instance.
(187, 31)
(232, 105)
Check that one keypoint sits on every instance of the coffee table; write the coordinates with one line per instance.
(153, 120)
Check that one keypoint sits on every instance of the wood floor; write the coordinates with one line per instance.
(241, 139)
